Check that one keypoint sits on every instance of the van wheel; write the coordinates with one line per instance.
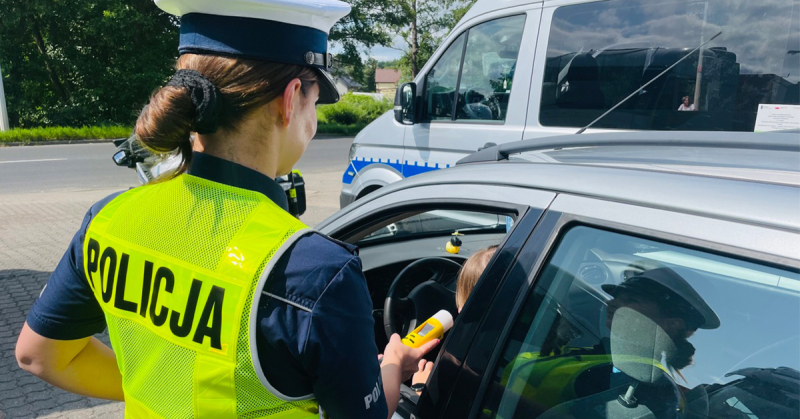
(367, 191)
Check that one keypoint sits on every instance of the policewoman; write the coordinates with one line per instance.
(218, 303)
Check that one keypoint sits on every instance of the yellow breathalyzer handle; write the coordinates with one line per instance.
(431, 329)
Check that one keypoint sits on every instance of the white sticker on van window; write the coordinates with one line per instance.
(777, 117)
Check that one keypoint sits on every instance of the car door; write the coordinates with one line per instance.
(396, 199)
(476, 92)
(584, 324)
(524, 205)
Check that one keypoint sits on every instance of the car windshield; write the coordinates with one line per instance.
(441, 222)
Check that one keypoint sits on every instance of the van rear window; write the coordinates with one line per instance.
(598, 53)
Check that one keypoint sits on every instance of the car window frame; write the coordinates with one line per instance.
(535, 107)
(449, 363)
(476, 371)
(424, 118)
(423, 113)
(350, 233)
(489, 318)
(397, 199)
(488, 207)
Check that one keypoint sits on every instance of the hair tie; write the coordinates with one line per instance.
(205, 96)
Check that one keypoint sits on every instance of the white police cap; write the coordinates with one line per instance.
(283, 31)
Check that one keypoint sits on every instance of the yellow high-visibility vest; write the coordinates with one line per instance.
(175, 267)
(548, 381)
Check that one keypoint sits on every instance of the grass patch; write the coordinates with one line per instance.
(340, 129)
(27, 135)
(353, 109)
(350, 115)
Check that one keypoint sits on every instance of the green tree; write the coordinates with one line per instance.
(457, 10)
(422, 24)
(388, 64)
(425, 25)
(427, 44)
(349, 62)
(74, 62)
(369, 75)
(369, 23)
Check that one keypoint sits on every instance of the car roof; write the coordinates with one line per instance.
(767, 166)
(485, 6)
(752, 178)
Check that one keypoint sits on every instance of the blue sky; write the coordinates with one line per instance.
(379, 53)
(385, 54)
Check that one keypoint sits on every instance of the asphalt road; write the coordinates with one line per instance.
(41, 169)
(50, 168)
(44, 194)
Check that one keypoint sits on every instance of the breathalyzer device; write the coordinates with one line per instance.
(433, 328)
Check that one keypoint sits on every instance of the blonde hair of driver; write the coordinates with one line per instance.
(470, 272)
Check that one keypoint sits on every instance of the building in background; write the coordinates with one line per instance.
(345, 84)
(386, 81)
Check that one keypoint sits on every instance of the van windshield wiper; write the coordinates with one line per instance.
(647, 84)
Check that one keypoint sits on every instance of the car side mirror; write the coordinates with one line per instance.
(123, 158)
(404, 100)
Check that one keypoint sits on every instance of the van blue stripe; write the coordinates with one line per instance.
(406, 169)
(409, 170)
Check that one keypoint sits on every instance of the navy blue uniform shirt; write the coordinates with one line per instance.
(316, 337)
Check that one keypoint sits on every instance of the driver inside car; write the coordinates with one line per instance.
(467, 278)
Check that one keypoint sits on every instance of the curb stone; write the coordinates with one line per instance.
(59, 142)
(331, 136)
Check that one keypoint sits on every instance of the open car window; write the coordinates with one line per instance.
(621, 326)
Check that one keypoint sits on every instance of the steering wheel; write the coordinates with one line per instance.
(486, 108)
(427, 296)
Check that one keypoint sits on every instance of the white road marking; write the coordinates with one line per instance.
(29, 161)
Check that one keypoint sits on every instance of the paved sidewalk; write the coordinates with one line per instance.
(34, 232)
(35, 229)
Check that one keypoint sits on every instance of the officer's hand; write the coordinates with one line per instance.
(405, 357)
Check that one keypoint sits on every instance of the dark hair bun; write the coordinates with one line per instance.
(165, 124)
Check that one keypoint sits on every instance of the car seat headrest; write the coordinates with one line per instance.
(638, 346)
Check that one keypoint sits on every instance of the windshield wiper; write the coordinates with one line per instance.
(648, 83)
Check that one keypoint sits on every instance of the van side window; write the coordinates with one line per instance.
(600, 52)
(441, 81)
(619, 326)
(488, 70)
(476, 83)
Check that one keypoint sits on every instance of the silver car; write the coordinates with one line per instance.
(638, 275)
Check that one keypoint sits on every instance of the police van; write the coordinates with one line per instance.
(525, 69)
